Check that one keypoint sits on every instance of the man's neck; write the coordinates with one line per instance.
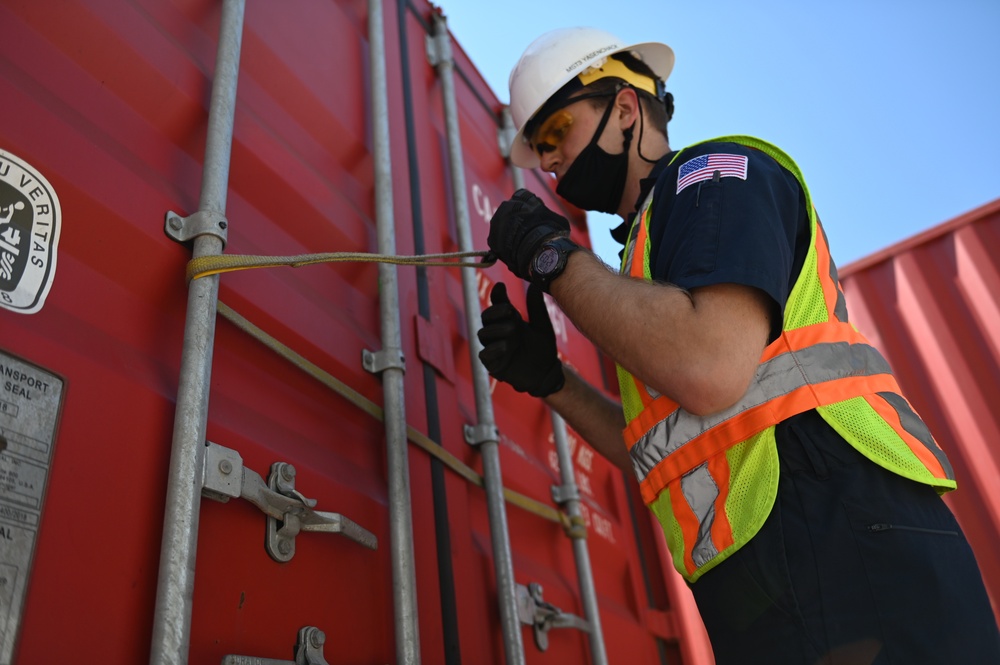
(638, 170)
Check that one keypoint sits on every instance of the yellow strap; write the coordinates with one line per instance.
(204, 266)
(573, 526)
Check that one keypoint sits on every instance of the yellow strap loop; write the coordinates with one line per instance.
(203, 266)
(573, 526)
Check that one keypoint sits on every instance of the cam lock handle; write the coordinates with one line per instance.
(542, 616)
(288, 511)
(308, 651)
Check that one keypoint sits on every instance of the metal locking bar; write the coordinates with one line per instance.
(308, 651)
(390, 364)
(171, 638)
(485, 432)
(566, 495)
(532, 610)
(288, 511)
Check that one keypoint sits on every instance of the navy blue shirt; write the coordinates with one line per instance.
(753, 232)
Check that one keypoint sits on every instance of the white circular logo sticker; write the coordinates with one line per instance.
(29, 235)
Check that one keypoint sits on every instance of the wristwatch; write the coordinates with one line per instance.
(551, 260)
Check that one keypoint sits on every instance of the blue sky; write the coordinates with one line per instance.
(890, 107)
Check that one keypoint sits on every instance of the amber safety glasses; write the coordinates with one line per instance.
(552, 132)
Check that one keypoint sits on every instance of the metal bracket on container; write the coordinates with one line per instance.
(506, 133)
(477, 435)
(438, 48)
(377, 362)
(533, 611)
(203, 222)
(288, 511)
(308, 651)
(505, 141)
(562, 494)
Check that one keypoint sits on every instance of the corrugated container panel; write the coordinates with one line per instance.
(931, 304)
(108, 100)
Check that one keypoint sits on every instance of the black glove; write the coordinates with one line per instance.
(517, 352)
(518, 229)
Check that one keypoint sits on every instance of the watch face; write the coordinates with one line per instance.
(546, 261)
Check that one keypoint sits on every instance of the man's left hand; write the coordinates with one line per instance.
(519, 228)
(521, 353)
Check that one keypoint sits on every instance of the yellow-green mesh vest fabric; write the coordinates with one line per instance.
(754, 462)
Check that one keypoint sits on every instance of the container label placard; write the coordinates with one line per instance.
(29, 235)
(30, 403)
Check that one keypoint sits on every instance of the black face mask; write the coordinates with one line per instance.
(596, 180)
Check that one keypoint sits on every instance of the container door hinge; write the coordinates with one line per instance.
(533, 611)
(203, 222)
(308, 651)
(288, 511)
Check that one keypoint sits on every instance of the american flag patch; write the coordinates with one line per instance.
(704, 168)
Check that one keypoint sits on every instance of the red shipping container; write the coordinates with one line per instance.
(931, 304)
(105, 112)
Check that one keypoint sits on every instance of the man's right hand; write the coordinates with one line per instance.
(521, 353)
(520, 227)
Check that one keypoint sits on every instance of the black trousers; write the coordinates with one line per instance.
(854, 566)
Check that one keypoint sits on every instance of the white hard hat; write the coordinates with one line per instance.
(554, 59)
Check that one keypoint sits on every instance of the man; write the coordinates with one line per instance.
(797, 488)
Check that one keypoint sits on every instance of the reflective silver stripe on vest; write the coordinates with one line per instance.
(840, 308)
(916, 428)
(700, 491)
(629, 256)
(779, 376)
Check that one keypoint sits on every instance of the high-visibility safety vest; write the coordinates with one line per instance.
(712, 480)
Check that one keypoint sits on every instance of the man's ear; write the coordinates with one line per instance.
(627, 107)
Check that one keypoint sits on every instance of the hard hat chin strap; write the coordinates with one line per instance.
(638, 146)
(642, 124)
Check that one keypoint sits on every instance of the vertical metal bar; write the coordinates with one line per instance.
(404, 582)
(584, 572)
(175, 586)
(490, 448)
